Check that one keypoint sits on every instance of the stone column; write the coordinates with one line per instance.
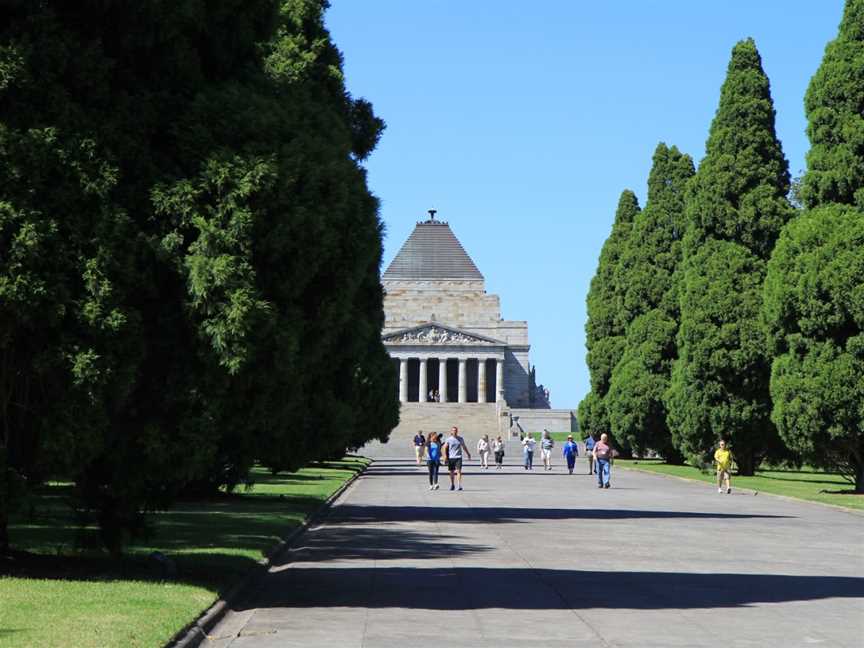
(481, 380)
(442, 379)
(403, 380)
(424, 384)
(463, 382)
(499, 379)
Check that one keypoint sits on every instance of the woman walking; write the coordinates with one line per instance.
(483, 451)
(528, 445)
(546, 445)
(498, 449)
(433, 452)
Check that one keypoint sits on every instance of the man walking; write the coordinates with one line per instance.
(419, 446)
(455, 447)
(571, 451)
(603, 458)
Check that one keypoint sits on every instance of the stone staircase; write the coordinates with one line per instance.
(473, 419)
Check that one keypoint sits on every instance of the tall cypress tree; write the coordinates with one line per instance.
(646, 275)
(833, 104)
(814, 291)
(735, 210)
(604, 329)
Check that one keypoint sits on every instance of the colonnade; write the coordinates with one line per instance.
(424, 384)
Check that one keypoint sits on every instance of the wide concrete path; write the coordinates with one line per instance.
(547, 559)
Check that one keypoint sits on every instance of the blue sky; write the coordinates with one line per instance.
(522, 122)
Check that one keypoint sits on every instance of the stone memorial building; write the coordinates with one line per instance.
(459, 362)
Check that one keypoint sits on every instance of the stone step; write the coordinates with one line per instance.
(473, 420)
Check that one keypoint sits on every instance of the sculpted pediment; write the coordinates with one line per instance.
(439, 335)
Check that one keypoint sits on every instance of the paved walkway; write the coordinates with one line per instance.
(547, 559)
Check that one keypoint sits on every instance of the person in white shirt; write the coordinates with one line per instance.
(528, 445)
(483, 450)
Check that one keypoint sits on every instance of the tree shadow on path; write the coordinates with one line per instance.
(536, 589)
(354, 513)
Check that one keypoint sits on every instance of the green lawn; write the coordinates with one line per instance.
(561, 437)
(66, 595)
(804, 484)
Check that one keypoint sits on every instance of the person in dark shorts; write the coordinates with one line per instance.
(455, 449)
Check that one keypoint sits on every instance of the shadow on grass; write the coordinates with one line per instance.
(832, 482)
(212, 542)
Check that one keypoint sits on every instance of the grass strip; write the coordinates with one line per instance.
(806, 484)
(64, 591)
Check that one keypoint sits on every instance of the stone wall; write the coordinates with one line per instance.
(554, 420)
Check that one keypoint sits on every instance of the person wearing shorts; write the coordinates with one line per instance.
(723, 459)
(455, 449)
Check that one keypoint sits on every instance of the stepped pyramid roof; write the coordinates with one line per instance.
(432, 252)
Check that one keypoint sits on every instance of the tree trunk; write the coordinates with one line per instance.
(859, 477)
(4, 503)
(746, 465)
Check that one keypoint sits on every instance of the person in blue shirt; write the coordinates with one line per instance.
(571, 451)
(433, 454)
(589, 452)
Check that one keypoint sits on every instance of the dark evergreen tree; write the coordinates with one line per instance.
(647, 271)
(834, 105)
(814, 291)
(198, 285)
(647, 274)
(735, 210)
(604, 329)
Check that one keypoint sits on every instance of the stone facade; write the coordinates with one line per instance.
(437, 309)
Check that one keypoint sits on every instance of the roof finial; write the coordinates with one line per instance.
(432, 213)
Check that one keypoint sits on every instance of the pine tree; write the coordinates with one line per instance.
(814, 290)
(735, 210)
(604, 329)
(646, 274)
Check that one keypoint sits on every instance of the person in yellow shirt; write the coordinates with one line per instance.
(723, 459)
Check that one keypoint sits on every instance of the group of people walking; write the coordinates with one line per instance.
(449, 451)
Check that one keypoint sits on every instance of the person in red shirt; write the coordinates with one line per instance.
(603, 459)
